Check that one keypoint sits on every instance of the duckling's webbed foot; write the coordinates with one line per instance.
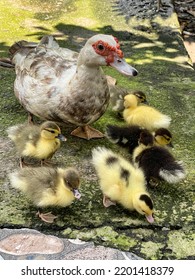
(87, 132)
(45, 162)
(153, 182)
(46, 217)
(22, 163)
(107, 202)
(30, 118)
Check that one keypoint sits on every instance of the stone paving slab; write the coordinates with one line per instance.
(27, 244)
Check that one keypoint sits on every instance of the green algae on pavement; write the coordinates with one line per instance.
(169, 83)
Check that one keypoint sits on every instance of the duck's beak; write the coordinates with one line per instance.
(77, 194)
(123, 67)
(150, 218)
(61, 137)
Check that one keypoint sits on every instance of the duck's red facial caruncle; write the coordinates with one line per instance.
(104, 49)
(114, 57)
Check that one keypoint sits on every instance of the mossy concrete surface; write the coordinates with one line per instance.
(156, 50)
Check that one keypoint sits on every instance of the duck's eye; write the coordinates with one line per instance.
(52, 131)
(100, 47)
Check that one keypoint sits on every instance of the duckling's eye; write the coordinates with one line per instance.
(52, 131)
(100, 47)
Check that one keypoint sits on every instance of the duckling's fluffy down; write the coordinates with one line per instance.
(116, 175)
(147, 118)
(45, 186)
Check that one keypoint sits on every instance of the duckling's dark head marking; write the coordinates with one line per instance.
(50, 125)
(111, 160)
(146, 138)
(124, 174)
(141, 95)
(147, 200)
(72, 178)
(163, 132)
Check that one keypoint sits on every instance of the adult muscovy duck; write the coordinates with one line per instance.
(61, 85)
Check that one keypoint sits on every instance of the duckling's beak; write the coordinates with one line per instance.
(145, 102)
(150, 218)
(123, 67)
(61, 137)
(77, 194)
(170, 145)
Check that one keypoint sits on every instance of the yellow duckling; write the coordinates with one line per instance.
(117, 95)
(144, 116)
(46, 186)
(121, 182)
(36, 141)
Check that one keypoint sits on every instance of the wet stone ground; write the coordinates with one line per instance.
(145, 9)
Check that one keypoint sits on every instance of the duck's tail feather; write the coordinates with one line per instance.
(173, 173)
(20, 45)
(6, 62)
(49, 41)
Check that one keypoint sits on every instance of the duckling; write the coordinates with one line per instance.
(144, 116)
(121, 182)
(36, 141)
(46, 186)
(117, 95)
(128, 136)
(157, 162)
(125, 136)
(163, 137)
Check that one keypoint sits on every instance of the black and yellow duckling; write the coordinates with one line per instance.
(121, 182)
(46, 186)
(117, 95)
(163, 137)
(128, 136)
(144, 116)
(36, 141)
(157, 162)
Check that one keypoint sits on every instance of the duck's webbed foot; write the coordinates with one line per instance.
(46, 217)
(87, 132)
